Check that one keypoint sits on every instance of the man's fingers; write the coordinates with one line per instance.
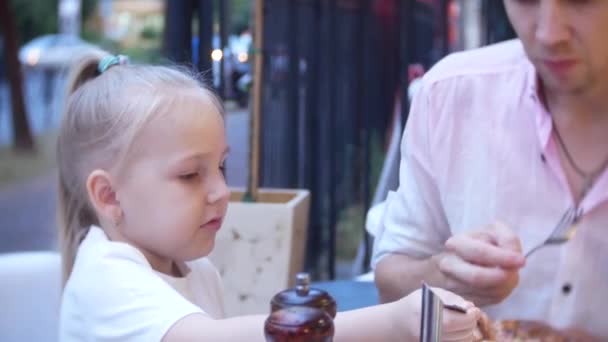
(472, 275)
(483, 253)
(506, 237)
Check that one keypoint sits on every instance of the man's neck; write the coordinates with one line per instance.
(585, 109)
(581, 120)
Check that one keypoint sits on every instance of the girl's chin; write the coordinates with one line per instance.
(203, 250)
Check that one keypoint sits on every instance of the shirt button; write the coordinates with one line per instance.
(566, 288)
(542, 158)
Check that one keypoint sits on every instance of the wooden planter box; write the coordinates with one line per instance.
(261, 247)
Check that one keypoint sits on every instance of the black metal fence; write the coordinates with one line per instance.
(496, 23)
(332, 72)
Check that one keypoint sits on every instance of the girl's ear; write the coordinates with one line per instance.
(102, 196)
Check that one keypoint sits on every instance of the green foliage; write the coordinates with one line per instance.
(39, 17)
(149, 55)
(142, 53)
(377, 158)
(151, 33)
(240, 15)
(35, 18)
(350, 225)
(91, 36)
(351, 220)
(88, 8)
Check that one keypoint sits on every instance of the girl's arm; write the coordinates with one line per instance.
(369, 324)
(376, 323)
(397, 321)
(400, 320)
(198, 327)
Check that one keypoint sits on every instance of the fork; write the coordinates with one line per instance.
(563, 231)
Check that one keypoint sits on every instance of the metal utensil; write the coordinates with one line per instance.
(563, 231)
(432, 310)
(430, 322)
(454, 307)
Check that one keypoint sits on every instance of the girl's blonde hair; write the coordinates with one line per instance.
(103, 116)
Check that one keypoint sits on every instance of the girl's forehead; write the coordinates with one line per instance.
(172, 107)
(193, 123)
(186, 108)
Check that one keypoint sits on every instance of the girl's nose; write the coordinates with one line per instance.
(218, 192)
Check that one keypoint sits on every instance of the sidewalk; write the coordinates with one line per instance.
(27, 215)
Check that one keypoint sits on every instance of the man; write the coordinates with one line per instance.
(500, 144)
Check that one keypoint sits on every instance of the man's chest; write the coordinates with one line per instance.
(510, 180)
(494, 168)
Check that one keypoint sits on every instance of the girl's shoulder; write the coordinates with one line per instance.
(202, 266)
(203, 270)
(207, 284)
(113, 289)
(97, 255)
(103, 267)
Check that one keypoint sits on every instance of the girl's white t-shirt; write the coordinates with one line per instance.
(113, 294)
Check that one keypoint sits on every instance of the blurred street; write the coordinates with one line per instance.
(43, 101)
(28, 208)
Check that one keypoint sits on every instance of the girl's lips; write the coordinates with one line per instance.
(214, 224)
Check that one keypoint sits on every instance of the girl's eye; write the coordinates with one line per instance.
(189, 176)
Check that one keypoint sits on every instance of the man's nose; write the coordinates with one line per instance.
(552, 26)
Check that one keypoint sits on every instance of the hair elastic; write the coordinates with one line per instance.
(109, 61)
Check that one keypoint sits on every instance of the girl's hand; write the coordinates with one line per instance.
(456, 326)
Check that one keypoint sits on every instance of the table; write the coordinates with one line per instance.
(350, 294)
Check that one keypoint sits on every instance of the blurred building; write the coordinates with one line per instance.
(69, 16)
(126, 21)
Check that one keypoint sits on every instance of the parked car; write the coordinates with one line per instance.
(237, 68)
(216, 57)
(240, 76)
(53, 51)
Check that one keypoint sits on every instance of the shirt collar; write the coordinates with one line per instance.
(544, 128)
(542, 117)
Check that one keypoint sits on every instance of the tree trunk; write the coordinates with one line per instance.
(21, 129)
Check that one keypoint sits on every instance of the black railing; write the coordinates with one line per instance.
(332, 71)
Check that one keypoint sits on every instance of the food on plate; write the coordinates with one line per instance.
(517, 331)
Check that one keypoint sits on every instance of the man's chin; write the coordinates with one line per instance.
(569, 83)
(565, 86)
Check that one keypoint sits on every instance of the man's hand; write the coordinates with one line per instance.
(482, 266)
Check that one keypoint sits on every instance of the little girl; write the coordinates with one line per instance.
(142, 195)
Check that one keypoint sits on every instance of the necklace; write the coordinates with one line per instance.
(588, 177)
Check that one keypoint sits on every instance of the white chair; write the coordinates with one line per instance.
(30, 292)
